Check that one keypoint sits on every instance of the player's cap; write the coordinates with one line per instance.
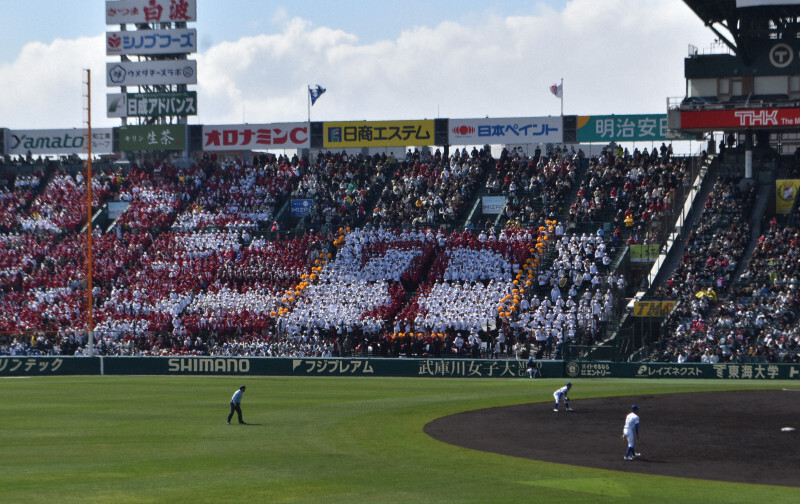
(634, 407)
(569, 384)
(242, 387)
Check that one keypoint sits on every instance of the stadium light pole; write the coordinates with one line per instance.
(89, 261)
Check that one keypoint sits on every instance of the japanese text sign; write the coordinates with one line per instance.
(377, 134)
(255, 136)
(515, 130)
(622, 128)
(177, 41)
(154, 137)
(151, 11)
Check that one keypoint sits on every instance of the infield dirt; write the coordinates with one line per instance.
(725, 436)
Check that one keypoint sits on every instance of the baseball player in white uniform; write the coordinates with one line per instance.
(562, 394)
(631, 432)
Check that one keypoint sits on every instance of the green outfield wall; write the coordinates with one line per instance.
(429, 368)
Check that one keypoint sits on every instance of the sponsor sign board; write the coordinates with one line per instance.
(116, 208)
(644, 253)
(256, 136)
(652, 308)
(512, 130)
(785, 194)
(337, 135)
(181, 103)
(152, 137)
(622, 128)
(493, 205)
(177, 41)
(58, 141)
(150, 11)
(788, 117)
(151, 73)
(300, 207)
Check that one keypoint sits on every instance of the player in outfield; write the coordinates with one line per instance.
(631, 432)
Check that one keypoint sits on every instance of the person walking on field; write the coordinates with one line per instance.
(236, 405)
(630, 433)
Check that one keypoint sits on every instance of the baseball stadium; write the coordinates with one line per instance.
(429, 310)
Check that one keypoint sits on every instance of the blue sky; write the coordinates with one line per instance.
(378, 59)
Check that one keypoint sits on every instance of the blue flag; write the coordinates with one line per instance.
(315, 93)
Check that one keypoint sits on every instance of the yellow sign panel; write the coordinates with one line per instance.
(785, 194)
(652, 308)
(377, 134)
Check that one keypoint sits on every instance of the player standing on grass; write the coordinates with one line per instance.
(562, 394)
(236, 404)
(631, 432)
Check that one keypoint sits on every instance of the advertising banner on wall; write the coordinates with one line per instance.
(512, 130)
(181, 103)
(785, 194)
(653, 308)
(493, 205)
(152, 137)
(256, 136)
(57, 141)
(300, 207)
(720, 119)
(146, 42)
(644, 253)
(337, 135)
(151, 73)
(622, 128)
(150, 11)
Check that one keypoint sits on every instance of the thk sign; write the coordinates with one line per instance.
(751, 118)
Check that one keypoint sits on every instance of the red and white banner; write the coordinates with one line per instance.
(151, 11)
(744, 118)
(256, 136)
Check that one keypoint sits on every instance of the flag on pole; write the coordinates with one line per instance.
(556, 89)
(315, 93)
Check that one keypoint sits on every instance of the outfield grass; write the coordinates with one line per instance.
(314, 440)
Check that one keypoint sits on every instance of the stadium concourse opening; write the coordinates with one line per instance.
(725, 436)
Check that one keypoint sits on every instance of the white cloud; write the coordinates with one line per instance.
(616, 56)
(43, 87)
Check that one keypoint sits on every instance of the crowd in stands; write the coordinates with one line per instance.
(638, 190)
(191, 267)
(536, 186)
(430, 190)
(722, 318)
(340, 186)
(757, 321)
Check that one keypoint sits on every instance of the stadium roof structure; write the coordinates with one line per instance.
(747, 21)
